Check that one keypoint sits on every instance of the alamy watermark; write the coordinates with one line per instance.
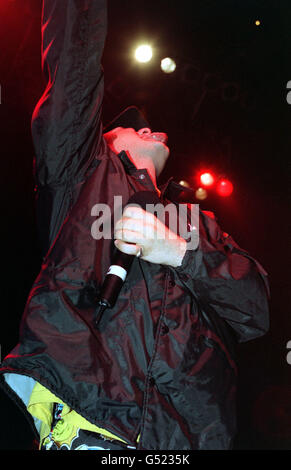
(288, 96)
(288, 357)
(176, 220)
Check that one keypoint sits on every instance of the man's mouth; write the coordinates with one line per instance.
(159, 136)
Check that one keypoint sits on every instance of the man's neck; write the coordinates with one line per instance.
(145, 163)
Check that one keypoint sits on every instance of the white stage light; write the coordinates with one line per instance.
(168, 65)
(143, 53)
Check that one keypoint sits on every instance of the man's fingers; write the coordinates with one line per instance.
(129, 224)
(128, 236)
(127, 248)
(138, 213)
(138, 226)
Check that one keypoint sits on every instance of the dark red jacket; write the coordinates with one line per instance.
(162, 364)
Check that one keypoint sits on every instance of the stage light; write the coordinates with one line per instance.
(257, 22)
(206, 179)
(143, 53)
(168, 65)
(224, 187)
(201, 194)
(184, 183)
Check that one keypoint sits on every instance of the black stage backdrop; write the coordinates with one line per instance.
(225, 107)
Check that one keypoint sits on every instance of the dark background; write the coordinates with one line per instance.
(224, 108)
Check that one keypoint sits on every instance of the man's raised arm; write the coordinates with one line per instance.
(66, 124)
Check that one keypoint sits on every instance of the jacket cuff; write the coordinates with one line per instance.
(190, 262)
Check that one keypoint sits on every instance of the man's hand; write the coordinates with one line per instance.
(140, 231)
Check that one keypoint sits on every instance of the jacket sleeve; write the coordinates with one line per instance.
(226, 280)
(66, 123)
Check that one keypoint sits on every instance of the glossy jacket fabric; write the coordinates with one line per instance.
(162, 364)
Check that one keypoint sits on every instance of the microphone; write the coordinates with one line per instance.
(121, 262)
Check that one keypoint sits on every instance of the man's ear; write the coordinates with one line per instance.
(110, 137)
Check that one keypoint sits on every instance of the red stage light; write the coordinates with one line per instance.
(206, 179)
(224, 187)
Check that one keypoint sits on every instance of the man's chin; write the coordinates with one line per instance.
(161, 163)
(166, 152)
(162, 148)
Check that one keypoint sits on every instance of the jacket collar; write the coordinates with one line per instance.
(170, 190)
(129, 166)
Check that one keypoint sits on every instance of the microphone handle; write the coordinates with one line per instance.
(110, 289)
(117, 273)
(113, 283)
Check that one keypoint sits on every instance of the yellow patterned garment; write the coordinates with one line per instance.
(41, 406)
